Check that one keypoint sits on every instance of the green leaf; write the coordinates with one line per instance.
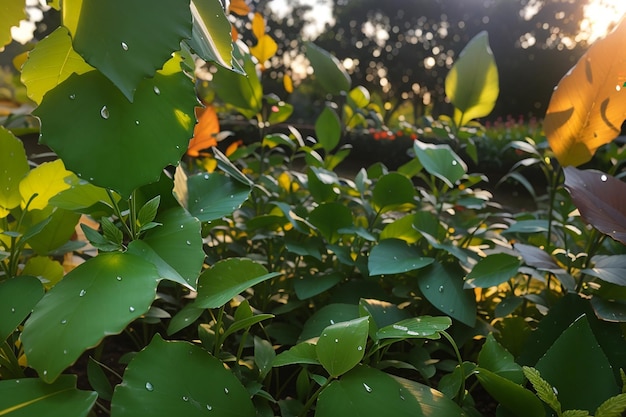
(264, 355)
(613, 407)
(609, 268)
(12, 11)
(56, 232)
(111, 232)
(302, 353)
(369, 392)
(47, 270)
(307, 286)
(544, 390)
(328, 71)
(185, 317)
(148, 212)
(98, 298)
(246, 323)
(442, 286)
(392, 191)
(498, 360)
(50, 63)
(211, 38)
(329, 218)
(577, 413)
(381, 313)
(586, 385)
(394, 256)
(516, 399)
(472, 83)
(18, 296)
(328, 129)
(493, 270)
(440, 161)
(359, 97)
(213, 196)
(189, 383)
(342, 345)
(418, 327)
(14, 167)
(403, 229)
(329, 314)
(98, 380)
(33, 397)
(98, 241)
(227, 278)
(121, 133)
(134, 50)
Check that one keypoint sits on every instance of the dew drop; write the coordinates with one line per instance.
(185, 398)
(367, 387)
(402, 328)
(336, 340)
(412, 333)
(45, 372)
(603, 178)
(149, 387)
(118, 278)
(64, 321)
(206, 176)
(65, 351)
(360, 348)
(427, 287)
(104, 112)
(226, 391)
(332, 321)
(12, 309)
(454, 162)
(137, 122)
(440, 288)
(72, 96)
(125, 46)
(208, 407)
(156, 90)
(131, 309)
(82, 293)
(188, 243)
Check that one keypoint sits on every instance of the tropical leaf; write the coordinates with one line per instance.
(588, 107)
(211, 37)
(205, 132)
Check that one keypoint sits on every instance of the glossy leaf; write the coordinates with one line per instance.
(601, 200)
(134, 50)
(190, 383)
(492, 270)
(588, 107)
(48, 270)
(33, 397)
(18, 296)
(184, 318)
(57, 232)
(13, 167)
(392, 191)
(325, 316)
(265, 48)
(589, 383)
(329, 218)
(440, 161)
(12, 11)
(517, 400)
(472, 83)
(498, 360)
(328, 129)
(98, 298)
(395, 256)
(609, 268)
(442, 286)
(213, 196)
(381, 314)
(341, 346)
(328, 71)
(369, 392)
(211, 38)
(302, 353)
(43, 183)
(122, 133)
(307, 286)
(418, 327)
(224, 280)
(50, 63)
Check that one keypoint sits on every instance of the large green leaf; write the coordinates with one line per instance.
(128, 144)
(582, 375)
(56, 232)
(213, 196)
(328, 129)
(145, 36)
(517, 400)
(342, 345)
(13, 167)
(442, 285)
(472, 83)
(328, 71)
(179, 379)
(325, 316)
(224, 280)
(299, 354)
(417, 327)
(98, 298)
(28, 397)
(330, 218)
(497, 359)
(493, 270)
(18, 296)
(392, 191)
(369, 392)
(12, 11)
(211, 38)
(395, 256)
(440, 161)
(50, 63)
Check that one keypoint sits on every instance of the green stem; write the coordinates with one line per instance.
(218, 328)
(556, 177)
(118, 213)
(460, 360)
(313, 397)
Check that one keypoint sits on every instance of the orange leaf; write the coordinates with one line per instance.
(264, 49)
(233, 147)
(204, 134)
(239, 7)
(288, 83)
(588, 107)
(234, 33)
(258, 26)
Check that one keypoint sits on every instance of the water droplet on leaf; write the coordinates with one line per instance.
(104, 112)
(367, 387)
(131, 309)
(82, 293)
(603, 178)
(149, 387)
(440, 288)
(185, 398)
(156, 90)
(226, 391)
(72, 96)
(125, 46)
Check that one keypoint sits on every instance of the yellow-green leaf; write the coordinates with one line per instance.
(472, 83)
(258, 25)
(44, 182)
(265, 48)
(12, 11)
(13, 167)
(588, 107)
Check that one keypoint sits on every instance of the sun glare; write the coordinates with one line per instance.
(600, 16)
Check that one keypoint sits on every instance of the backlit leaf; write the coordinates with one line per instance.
(45, 181)
(13, 167)
(472, 83)
(392, 191)
(211, 38)
(12, 11)
(440, 161)
(328, 129)
(493, 270)
(328, 71)
(395, 256)
(258, 25)
(589, 105)
(239, 7)
(341, 346)
(205, 132)
(265, 48)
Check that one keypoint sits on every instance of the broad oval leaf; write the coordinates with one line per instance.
(134, 50)
(328, 129)
(588, 106)
(265, 48)
(189, 383)
(417, 327)
(497, 359)
(601, 200)
(329, 218)
(472, 83)
(440, 161)
(342, 345)
(302, 353)
(34, 397)
(98, 298)
(325, 316)
(213, 196)
(395, 256)
(18, 296)
(493, 270)
(122, 134)
(224, 280)
(13, 167)
(392, 191)
(609, 268)
(43, 183)
(517, 400)
(12, 11)
(328, 71)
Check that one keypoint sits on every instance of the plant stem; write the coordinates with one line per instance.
(313, 397)
(460, 360)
